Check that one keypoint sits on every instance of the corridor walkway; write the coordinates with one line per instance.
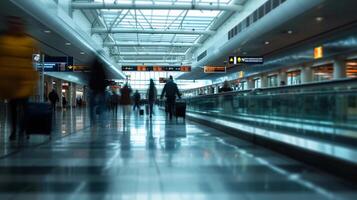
(139, 158)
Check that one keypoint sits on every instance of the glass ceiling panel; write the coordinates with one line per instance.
(157, 21)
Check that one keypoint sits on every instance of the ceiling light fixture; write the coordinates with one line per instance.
(319, 19)
(266, 42)
(290, 32)
(68, 44)
(82, 53)
(47, 31)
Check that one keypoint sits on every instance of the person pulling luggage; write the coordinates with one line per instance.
(170, 90)
(17, 76)
(136, 100)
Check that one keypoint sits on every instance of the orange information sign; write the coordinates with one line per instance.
(157, 68)
(185, 68)
(141, 68)
(214, 69)
(318, 52)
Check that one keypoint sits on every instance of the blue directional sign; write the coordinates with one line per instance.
(245, 60)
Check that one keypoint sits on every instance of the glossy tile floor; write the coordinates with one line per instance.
(139, 158)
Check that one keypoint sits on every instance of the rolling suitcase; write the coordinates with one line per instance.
(180, 109)
(141, 112)
(38, 119)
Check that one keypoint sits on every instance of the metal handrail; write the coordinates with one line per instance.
(292, 88)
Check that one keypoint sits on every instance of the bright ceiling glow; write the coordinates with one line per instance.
(156, 19)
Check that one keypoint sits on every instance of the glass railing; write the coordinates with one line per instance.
(327, 110)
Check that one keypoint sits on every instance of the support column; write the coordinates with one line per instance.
(72, 95)
(339, 69)
(282, 77)
(306, 74)
(263, 81)
(59, 91)
(250, 83)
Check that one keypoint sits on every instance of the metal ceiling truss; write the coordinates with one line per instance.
(173, 6)
(133, 30)
(152, 44)
(153, 31)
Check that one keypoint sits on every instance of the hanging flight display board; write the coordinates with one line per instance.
(144, 68)
(245, 60)
(214, 69)
(56, 64)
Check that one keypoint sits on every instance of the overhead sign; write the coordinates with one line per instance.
(162, 80)
(55, 64)
(245, 60)
(81, 68)
(214, 69)
(318, 52)
(156, 68)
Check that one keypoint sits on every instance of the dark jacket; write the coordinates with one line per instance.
(171, 90)
(225, 89)
(125, 96)
(137, 97)
(53, 97)
(151, 94)
(97, 77)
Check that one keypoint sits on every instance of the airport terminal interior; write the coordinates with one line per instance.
(178, 99)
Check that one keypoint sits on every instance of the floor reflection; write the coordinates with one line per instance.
(135, 157)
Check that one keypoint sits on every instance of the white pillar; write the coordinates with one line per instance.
(250, 83)
(263, 81)
(59, 91)
(306, 74)
(72, 95)
(282, 77)
(339, 69)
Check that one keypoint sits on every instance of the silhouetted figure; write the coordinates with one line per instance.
(125, 99)
(226, 87)
(151, 96)
(137, 99)
(97, 85)
(17, 76)
(64, 102)
(170, 91)
(53, 97)
(114, 102)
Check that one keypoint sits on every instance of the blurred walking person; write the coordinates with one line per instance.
(151, 96)
(97, 85)
(137, 99)
(18, 78)
(170, 91)
(125, 99)
(114, 102)
(53, 97)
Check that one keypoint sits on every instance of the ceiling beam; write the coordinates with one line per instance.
(152, 31)
(156, 64)
(162, 44)
(148, 54)
(185, 6)
(153, 61)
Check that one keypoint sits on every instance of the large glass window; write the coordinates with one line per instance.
(322, 73)
(294, 77)
(243, 85)
(273, 80)
(257, 83)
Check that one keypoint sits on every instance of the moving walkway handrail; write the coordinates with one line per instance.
(308, 87)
